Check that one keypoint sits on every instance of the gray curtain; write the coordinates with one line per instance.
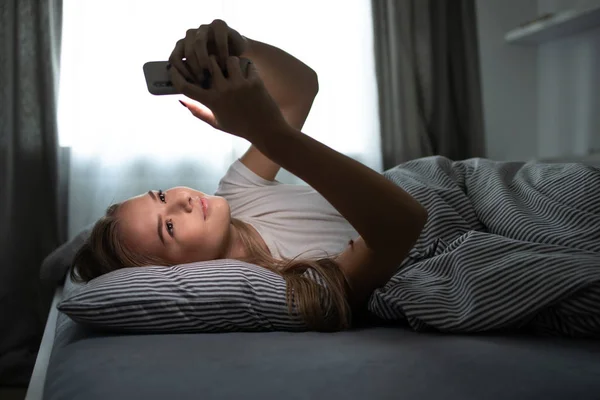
(427, 66)
(30, 224)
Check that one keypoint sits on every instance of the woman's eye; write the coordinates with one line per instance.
(170, 227)
(161, 196)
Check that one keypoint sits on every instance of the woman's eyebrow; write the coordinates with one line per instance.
(160, 230)
(159, 226)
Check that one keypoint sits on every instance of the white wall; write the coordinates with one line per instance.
(569, 89)
(539, 101)
(509, 80)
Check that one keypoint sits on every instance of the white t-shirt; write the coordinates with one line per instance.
(293, 220)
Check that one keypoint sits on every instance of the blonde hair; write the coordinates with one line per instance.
(104, 251)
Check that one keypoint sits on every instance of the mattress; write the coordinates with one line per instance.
(375, 363)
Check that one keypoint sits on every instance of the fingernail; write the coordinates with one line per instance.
(183, 104)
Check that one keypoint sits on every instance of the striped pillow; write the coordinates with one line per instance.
(214, 296)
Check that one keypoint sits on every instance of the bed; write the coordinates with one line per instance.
(378, 362)
(371, 362)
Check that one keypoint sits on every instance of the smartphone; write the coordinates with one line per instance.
(158, 78)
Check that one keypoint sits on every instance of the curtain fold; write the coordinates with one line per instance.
(427, 65)
(30, 227)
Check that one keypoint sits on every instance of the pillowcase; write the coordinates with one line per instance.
(56, 265)
(212, 296)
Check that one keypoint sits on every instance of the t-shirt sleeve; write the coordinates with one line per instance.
(239, 178)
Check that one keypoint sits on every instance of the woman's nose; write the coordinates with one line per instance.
(185, 203)
(188, 204)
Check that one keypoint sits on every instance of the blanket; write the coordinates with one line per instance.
(508, 245)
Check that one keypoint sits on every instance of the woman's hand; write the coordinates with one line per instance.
(238, 104)
(217, 39)
(237, 101)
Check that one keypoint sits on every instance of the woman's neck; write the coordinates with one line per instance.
(236, 248)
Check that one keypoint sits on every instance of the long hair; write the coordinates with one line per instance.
(322, 308)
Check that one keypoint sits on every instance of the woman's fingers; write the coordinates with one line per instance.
(201, 46)
(189, 89)
(221, 37)
(252, 73)
(219, 81)
(201, 112)
(191, 58)
(176, 60)
(235, 74)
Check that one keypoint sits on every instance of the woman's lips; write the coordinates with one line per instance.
(204, 202)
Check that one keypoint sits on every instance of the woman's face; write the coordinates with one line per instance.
(179, 225)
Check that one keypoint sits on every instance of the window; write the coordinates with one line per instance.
(123, 139)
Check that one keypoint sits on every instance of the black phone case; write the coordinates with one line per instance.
(158, 79)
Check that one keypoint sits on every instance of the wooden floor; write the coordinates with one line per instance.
(12, 393)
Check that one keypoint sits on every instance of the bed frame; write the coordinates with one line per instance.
(35, 391)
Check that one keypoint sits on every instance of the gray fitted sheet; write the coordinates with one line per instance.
(366, 364)
(373, 363)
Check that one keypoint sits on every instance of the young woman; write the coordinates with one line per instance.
(340, 226)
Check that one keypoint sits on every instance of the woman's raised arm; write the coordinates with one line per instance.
(387, 218)
(291, 83)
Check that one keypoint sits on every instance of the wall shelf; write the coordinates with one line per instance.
(555, 26)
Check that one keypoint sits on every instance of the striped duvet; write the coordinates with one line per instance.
(507, 245)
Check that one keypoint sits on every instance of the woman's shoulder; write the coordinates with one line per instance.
(239, 179)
